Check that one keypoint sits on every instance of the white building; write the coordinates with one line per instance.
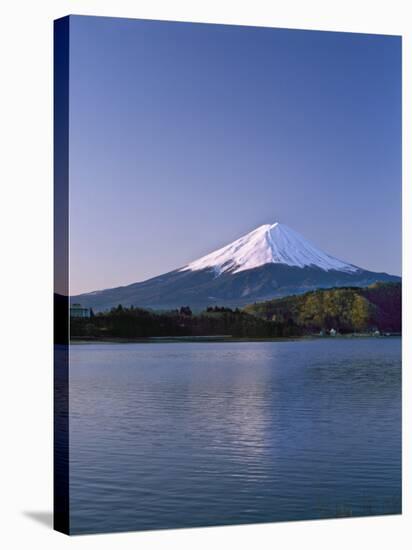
(76, 310)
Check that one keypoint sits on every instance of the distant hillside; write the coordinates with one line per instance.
(351, 309)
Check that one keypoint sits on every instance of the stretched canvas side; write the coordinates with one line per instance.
(61, 275)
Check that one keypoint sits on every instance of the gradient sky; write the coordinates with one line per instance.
(183, 137)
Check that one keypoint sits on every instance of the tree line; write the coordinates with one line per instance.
(133, 322)
(346, 310)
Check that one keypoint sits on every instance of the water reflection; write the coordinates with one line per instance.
(170, 435)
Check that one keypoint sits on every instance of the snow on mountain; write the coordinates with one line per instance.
(268, 244)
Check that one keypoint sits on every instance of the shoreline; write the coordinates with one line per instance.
(223, 339)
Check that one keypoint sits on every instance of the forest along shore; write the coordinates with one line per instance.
(370, 311)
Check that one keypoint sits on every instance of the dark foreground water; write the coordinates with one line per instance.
(181, 434)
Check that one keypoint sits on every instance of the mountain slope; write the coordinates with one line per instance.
(271, 261)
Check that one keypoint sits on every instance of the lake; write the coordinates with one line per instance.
(168, 435)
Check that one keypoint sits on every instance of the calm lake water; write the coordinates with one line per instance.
(193, 434)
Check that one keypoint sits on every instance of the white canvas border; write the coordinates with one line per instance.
(26, 234)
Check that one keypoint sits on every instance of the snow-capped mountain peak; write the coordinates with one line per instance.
(268, 244)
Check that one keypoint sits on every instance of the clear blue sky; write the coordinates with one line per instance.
(184, 136)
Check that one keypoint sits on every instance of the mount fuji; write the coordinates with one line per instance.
(270, 261)
(268, 244)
